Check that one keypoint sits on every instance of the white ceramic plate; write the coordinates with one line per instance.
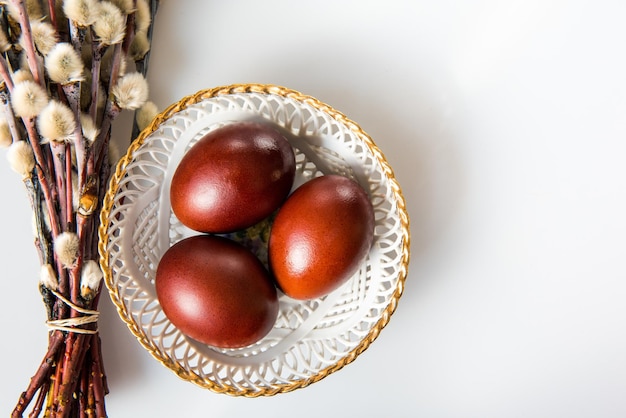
(310, 339)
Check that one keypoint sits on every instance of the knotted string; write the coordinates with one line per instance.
(71, 324)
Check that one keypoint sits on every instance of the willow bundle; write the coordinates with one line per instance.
(68, 69)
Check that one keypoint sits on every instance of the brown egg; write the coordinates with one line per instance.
(232, 178)
(216, 291)
(320, 236)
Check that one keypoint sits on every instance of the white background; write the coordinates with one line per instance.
(505, 123)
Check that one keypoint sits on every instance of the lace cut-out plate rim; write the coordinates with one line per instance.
(262, 386)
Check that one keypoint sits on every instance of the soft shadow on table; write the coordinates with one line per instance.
(409, 120)
(426, 165)
(123, 355)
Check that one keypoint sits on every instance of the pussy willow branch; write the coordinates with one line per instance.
(142, 64)
(28, 41)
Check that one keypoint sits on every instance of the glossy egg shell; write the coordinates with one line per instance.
(216, 291)
(320, 236)
(232, 178)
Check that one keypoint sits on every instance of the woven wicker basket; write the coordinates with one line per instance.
(310, 339)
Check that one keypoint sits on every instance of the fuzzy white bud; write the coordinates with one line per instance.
(90, 278)
(109, 24)
(90, 130)
(64, 65)
(28, 99)
(22, 75)
(66, 247)
(81, 12)
(48, 277)
(114, 153)
(33, 8)
(140, 46)
(44, 36)
(143, 17)
(12, 10)
(5, 133)
(146, 114)
(4, 42)
(21, 158)
(56, 122)
(125, 6)
(131, 91)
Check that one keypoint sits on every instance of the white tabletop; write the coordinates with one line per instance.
(505, 123)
